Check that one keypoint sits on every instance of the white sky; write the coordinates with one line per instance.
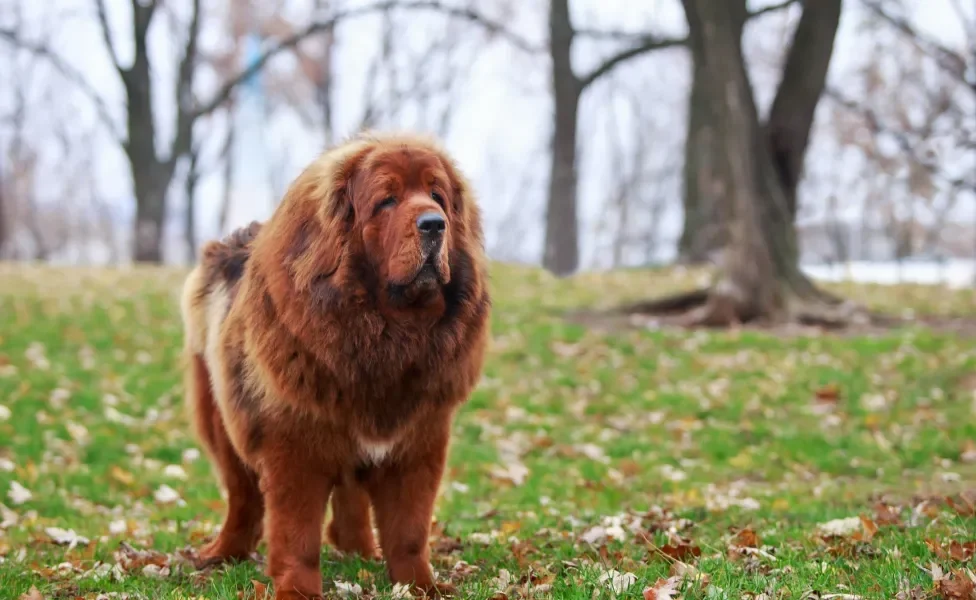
(502, 116)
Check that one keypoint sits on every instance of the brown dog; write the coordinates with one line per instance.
(327, 352)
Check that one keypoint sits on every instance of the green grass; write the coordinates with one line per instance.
(651, 434)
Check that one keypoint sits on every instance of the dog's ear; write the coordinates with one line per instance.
(306, 239)
(465, 202)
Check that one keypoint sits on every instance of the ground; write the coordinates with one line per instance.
(589, 462)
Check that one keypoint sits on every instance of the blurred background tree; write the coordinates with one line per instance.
(796, 139)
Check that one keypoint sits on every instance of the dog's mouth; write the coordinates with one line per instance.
(427, 280)
(430, 273)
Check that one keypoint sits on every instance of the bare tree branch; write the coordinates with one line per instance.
(466, 14)
(772, 8)
(906, 145)
(647, 45)
(639, 36)
(107, 36)
(185, 116)
(69, 73)
(951, 62)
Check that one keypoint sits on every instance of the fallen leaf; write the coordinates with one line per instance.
(687, 572)
(828, 393)
(679, 550)
(167, 495)
(968, 454)
(121, 475)
(957, 551)
(746, 538)
(886, 515)
(868, 529)
(260, 589)
(18, 494)
(130, 559)
(32, 594)
(963, 507)
(514, 472)
(400, 591)
(663, 589)
(841, 527)
(66, 537)
(618, 582)
(957, 586)
(348, 590)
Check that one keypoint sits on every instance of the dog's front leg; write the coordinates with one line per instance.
(403, 494)
(295, 498)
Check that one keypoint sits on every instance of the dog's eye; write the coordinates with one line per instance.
(386, 203)
(438, 199)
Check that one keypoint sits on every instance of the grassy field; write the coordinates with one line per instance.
(636, 463)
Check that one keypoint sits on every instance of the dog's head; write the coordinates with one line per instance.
(406, 205)
(389, 217)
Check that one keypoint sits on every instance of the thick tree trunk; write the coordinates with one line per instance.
(759, 277)
(561, 251)
(150, 189)
(787, 129)
(704, 187)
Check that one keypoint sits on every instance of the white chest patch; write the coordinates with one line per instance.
(375, 452)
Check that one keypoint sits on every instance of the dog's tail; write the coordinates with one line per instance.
(207, 294)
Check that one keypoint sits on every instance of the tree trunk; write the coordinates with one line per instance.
(190, 192)
(150, 189)
(804, 78)
(787, 130)
(704, 188)
(4, 228)
(759, 277)
(561, 250)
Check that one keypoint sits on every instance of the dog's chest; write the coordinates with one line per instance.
(375, 452)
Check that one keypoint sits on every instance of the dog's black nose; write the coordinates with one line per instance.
(431, 223)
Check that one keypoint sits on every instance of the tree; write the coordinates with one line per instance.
(561, 249)
(759, 276)
(152, 170)
(789, 122)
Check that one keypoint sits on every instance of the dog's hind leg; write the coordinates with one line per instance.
(241, 531)
(350, 530)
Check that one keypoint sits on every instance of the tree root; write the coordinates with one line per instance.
(668, 305)
(706, 308)
(821, 312)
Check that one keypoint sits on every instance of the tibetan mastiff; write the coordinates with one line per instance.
(327, 351)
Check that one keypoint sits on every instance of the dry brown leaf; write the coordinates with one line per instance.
(963, 506)
(260, 589)
(828, 393)
(32, 594)
(886, 515)
(446, 545)
(957, 586)
(956, 551)
(680, 550)
(121, 475)
(869, 528)
(747, 538)
(629, 467)
(131, 559)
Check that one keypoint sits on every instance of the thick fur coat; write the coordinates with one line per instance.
(327, 351)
